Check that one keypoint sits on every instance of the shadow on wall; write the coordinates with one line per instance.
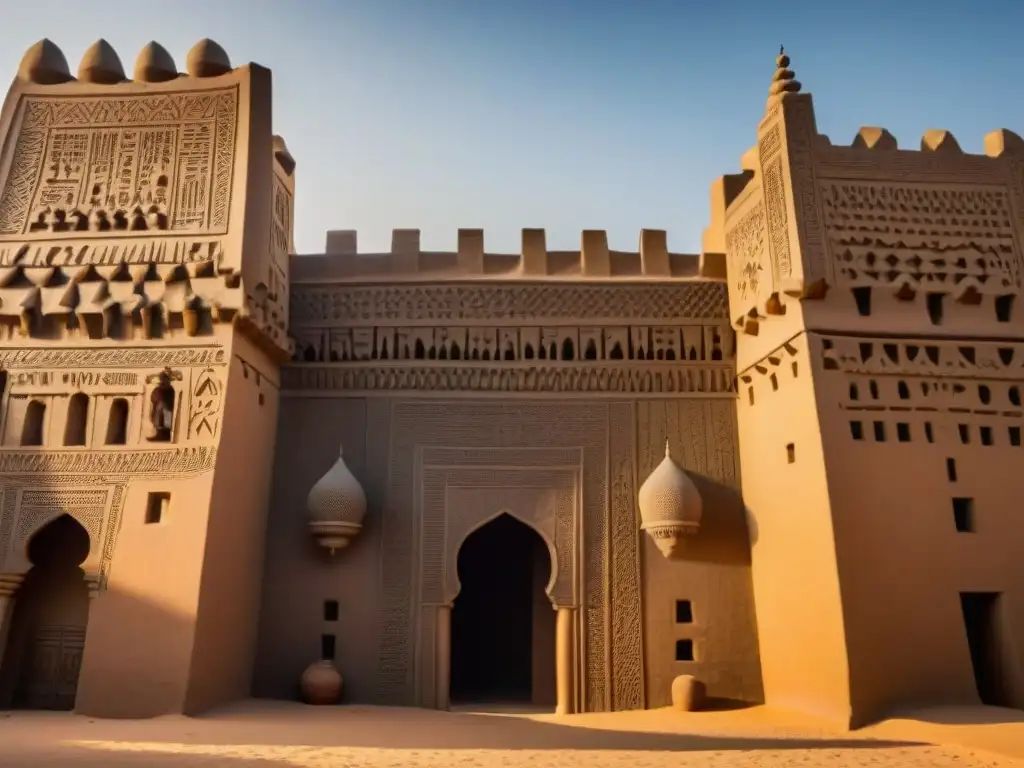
(725, 527)
(284, 734)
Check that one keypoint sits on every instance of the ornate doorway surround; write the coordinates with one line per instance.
(460, 490)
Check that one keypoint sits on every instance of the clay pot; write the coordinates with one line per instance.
(688, 693)
(321, 683)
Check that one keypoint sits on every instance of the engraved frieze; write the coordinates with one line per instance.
(95, 167)
(928, 236)
(59, 381)
(400, 305)
(923, 357)
(112, 357)
(178, 461)
(635, 379)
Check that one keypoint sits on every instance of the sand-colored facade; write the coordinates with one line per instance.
(569, 476)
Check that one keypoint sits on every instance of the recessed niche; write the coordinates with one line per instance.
(684, 650)
(330, 610)
(684, 612)
(951, 470)
(790, 453)
(1014, 435)
(963, 514)
(157, 504)
(856, 430)
(879, 427)
(986, 435)
(903, 432)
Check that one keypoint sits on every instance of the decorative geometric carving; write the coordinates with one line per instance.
(115, 357)
(100, 166)
(775, 202)
(954, 234)
(179, 461)
(464, 304)
(637, 379)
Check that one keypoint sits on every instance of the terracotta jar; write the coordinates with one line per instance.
(321, 683)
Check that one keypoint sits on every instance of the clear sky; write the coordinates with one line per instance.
(564, 114)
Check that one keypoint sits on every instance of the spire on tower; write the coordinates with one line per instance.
(784, 80)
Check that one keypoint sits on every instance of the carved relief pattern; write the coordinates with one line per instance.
(39, 507)
(625, 599)
(928, 357)
(775, 202)
(745, 245)
(463, 304)
(7, 515)
(178, 461)
(632, 379)
(922, 235)
(96, 166)
(119, 357)
(801, 136)
(204, 417)
(483, 425)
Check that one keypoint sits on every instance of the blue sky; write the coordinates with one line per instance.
(564, 114)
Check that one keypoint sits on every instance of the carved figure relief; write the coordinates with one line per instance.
(99, 166)
(161, 407)
(746, 250)
(206, 405)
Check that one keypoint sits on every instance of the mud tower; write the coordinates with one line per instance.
(145, 225)
(874, 292)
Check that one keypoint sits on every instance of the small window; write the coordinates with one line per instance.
(327, 647)
(32, 429)
(1014, 434)
(790, 453)
(750, 395)
(775, 382)
(78, 419)
(879, 431)
(929, 435)
(330, 610)
(986, 435)
(903, 432)
(117, 422)
(965, 433)
(684, 612)
(951, 470)
(684, 650)
(156, 507)
(963, 514)
(857, 430)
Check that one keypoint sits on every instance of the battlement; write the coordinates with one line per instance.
(470, 261)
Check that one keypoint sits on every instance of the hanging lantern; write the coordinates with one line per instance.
(670, 506)
(337, 505)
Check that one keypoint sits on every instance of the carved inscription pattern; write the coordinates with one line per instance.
(775, 202)
(7, 515)
(482, 425)
(205, 414)
(178, 461)
(119, 357)
(624, 554)
(879, 234)
(635, 380)
(745, 246)
(801, 137)
(92, 166)
(464, 304)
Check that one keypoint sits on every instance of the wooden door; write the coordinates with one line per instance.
(55, 659)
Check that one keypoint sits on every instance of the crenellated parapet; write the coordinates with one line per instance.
(471, 261)
(869, 236)
(126, 205)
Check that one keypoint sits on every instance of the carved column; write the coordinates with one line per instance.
(564, 666)
(443, 662)
(9, 583)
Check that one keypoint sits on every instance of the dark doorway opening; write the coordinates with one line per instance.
(981, 619)
(43, 653)
(503, 624)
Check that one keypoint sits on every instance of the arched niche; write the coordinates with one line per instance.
(453, 578)
(40, 507)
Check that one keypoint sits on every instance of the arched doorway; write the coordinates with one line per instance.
(43, 653)
(503, 623)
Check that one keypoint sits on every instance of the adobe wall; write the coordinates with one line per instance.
(476, 383)
(125, 208)
(874, 295)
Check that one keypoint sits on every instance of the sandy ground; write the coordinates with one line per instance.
(282, 734)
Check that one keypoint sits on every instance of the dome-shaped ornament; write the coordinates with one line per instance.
(670, 506)
(337, 505)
